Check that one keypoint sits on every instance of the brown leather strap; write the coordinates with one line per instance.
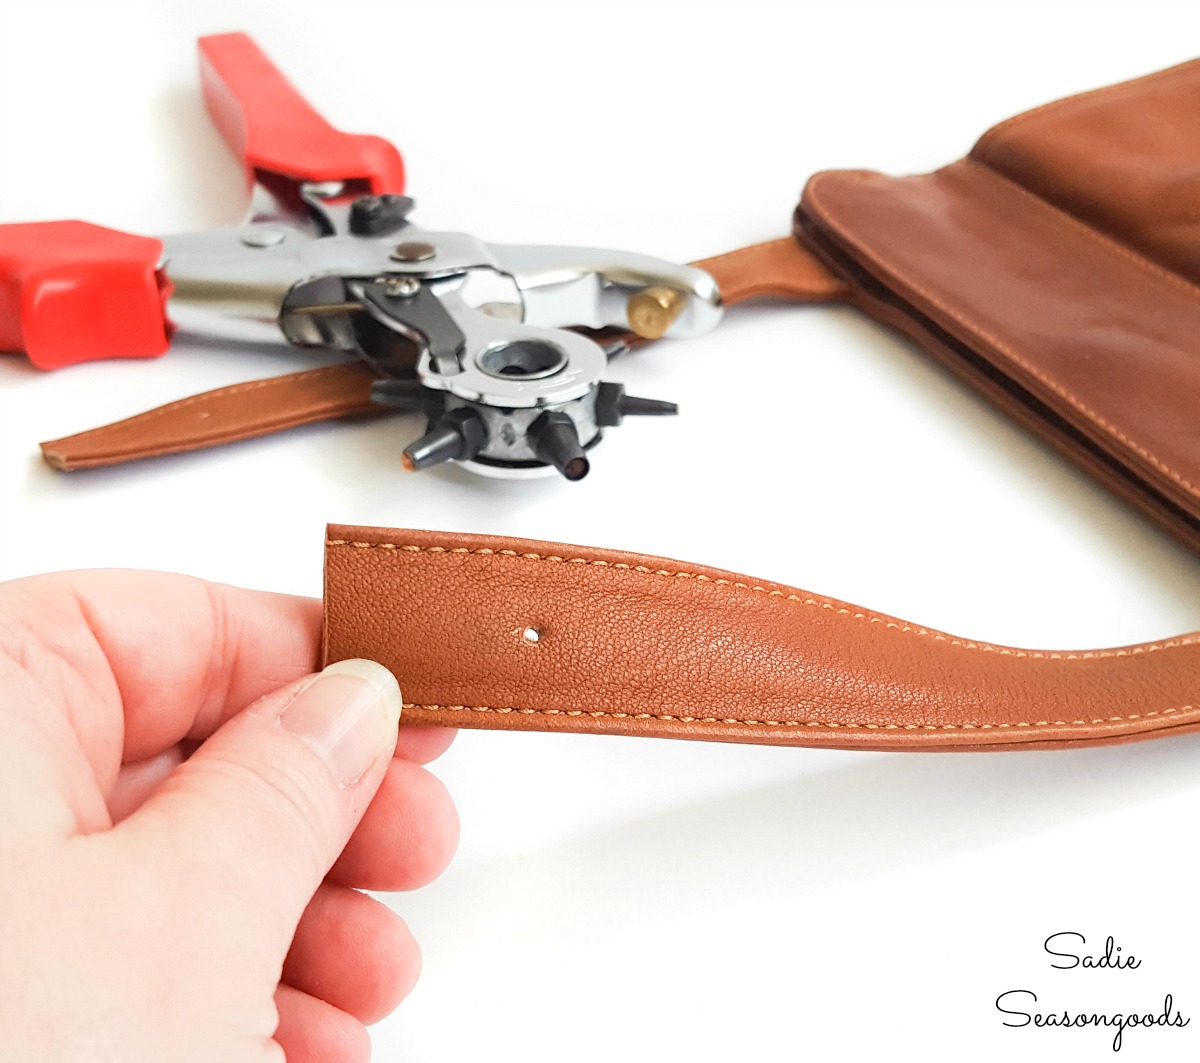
(239, 411)
(521, 635)
(775, 268)
(781, 268)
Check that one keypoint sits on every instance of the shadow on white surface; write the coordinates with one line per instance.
(820, 832)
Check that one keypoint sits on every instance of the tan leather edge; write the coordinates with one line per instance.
(877, 741)
(775, 268)
(638, 645)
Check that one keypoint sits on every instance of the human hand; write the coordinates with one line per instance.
(156, 905)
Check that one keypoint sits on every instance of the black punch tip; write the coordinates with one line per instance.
(632, 406)
(556, 442)
(613, 406)
(456, 436)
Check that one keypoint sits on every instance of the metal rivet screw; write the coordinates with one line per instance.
(413, 251)
(653, 310)
(263, 237)
(402, 287)
(531, 634)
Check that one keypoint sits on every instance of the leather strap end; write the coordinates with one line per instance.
(522, 635)
(240, 411)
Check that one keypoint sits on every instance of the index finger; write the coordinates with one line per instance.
(154, 657)
(144, 660)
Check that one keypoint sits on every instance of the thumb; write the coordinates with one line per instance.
(263, 808)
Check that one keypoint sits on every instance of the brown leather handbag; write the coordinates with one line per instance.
(1056, 269)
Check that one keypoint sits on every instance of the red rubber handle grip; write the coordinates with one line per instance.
(273, 129)
(73, 292)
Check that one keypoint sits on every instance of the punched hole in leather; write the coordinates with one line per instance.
(631, 644)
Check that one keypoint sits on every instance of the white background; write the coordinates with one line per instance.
(621, 899)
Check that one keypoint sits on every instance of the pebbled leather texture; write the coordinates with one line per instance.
(523, 635)
(776, 268)
(1055, 269)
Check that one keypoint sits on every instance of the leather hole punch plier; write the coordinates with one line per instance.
(480, 338)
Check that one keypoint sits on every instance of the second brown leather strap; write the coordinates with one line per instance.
(523, 635)
(240, 411)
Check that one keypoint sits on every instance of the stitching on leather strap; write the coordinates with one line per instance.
(1019, 725)
(811, 602)
(232, 389)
